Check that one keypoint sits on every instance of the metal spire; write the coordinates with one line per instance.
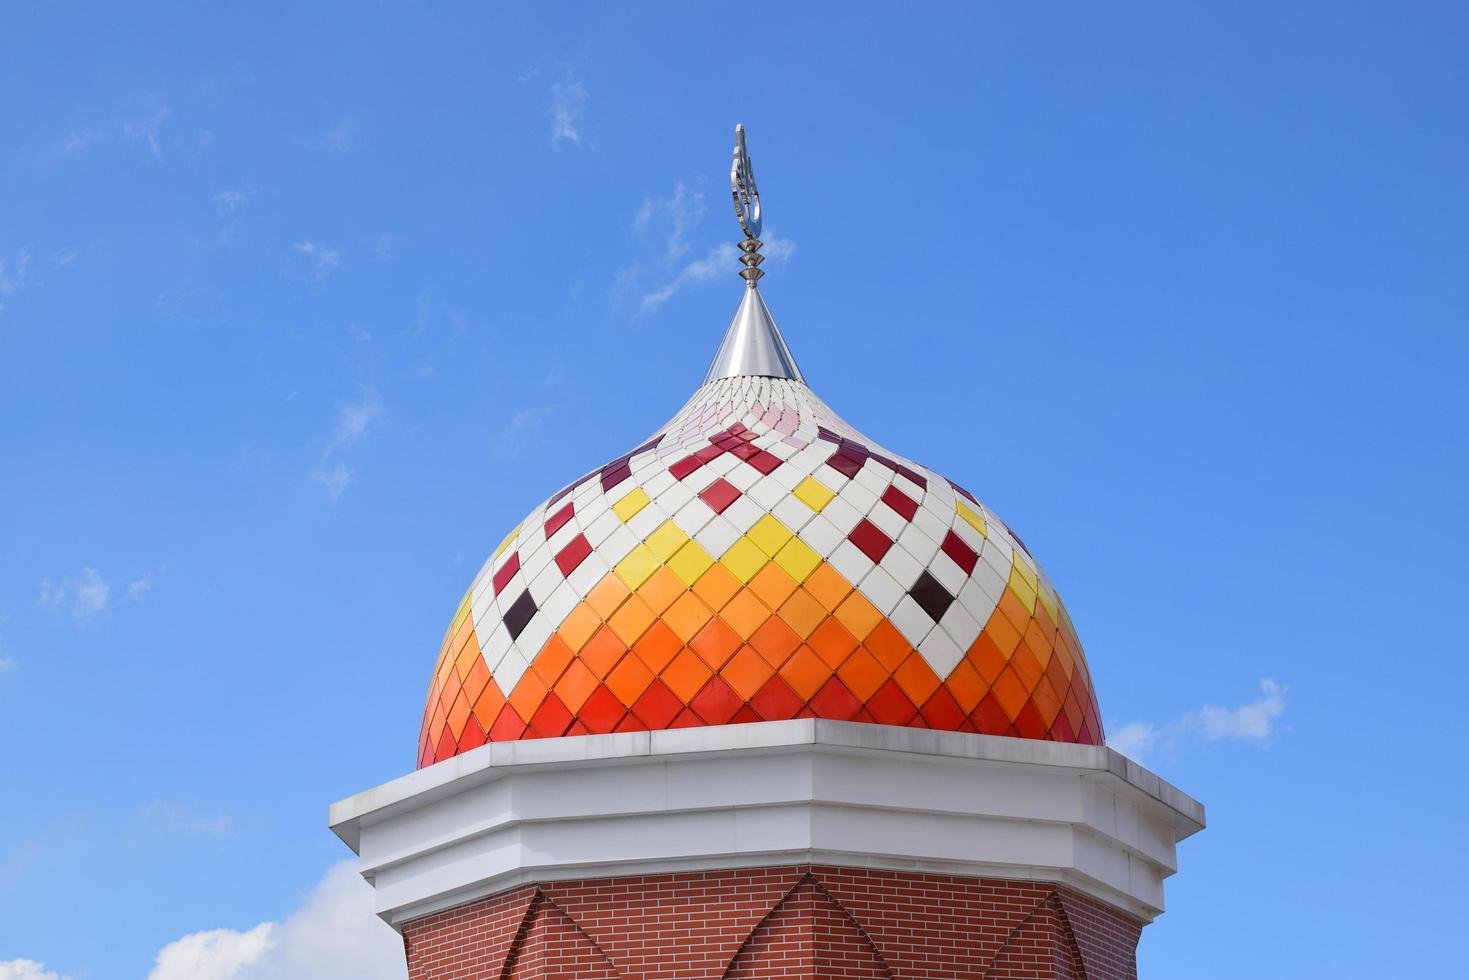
(752, 345)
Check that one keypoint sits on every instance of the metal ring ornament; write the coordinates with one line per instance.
(742, 185)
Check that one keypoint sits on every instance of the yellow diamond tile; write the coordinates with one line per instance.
(1023, 569)
(1047, 598)
(506, 543)
(637, 566)
(769, 534)
(628, 506)
(666, 540)
(690, 562)
(1022, 587)
(797, 559)
(813, 493)
(743, 559)
(968, 513)
(459, 615)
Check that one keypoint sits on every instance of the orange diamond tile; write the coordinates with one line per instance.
(631, 619)
(657, 646)
(805, 672)
(745, 613)
(629, 679)
(746, 672)
(686, 675)
(607, 595)
(803, 613)
(862, 674)
(833, 642)
(601, 653)
(775, 641)
(575, 685)
(716, 642)
(772, 585)
(717, 586)
(661, 588)
(917, 679)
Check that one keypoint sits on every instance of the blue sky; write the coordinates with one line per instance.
(300, 310)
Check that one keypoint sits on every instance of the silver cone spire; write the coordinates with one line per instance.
(752, 345)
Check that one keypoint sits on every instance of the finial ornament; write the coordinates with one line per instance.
(747, 208)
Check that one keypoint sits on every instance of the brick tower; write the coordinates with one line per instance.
(760, 698)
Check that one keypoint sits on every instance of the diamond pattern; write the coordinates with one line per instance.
(758, 559)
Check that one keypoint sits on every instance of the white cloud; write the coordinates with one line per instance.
(140, 587)
(333, 935)
(383, 250)
(522, 428)
(1255, 720)
(669, 220)
(26, 970)
(568, 108)
(86, 594)
(354, 419)
(324, 260)
(146, 131)
(720, 261)
(218, 954)
(175, 817)
(338, 141)
(227, 202)
(8, 664)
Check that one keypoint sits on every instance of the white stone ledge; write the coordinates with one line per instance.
(774, 793)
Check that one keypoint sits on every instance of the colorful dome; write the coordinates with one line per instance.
(757, 559)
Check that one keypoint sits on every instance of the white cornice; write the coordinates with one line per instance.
(776, 793)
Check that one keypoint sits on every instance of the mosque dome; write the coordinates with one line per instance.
(757, 559)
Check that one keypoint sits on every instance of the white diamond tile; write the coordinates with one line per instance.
(941, 652)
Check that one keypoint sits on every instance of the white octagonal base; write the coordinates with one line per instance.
(776, 793)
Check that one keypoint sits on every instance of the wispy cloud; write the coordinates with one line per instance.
(27, 970)
(227, 202)
(20, 271)
(139, 587)
(383, 249)
(568, 110)
(8, 664)
(333, 469)
(86, 595)
(146, 131)
(523, 429)
(665, 224)
(1254, 721)
(175, 817)
(323, 259)
(333, 935)
(337, 141)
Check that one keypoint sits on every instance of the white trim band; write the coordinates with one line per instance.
(775, 793)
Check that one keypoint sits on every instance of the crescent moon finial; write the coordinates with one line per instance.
(747, 208)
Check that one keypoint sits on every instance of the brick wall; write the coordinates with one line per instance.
(796, 921)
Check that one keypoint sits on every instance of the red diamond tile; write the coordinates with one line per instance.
(899, 501)
(836, 702)
(657, 706)
(558, 520)
(507, 727)
(776, 701)
(551, 718)
(963, 555)
(870, 540)
(602, 711)
(572, 555)
(503, 576)
(717, 702)
(890, 706)
(719, 495)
